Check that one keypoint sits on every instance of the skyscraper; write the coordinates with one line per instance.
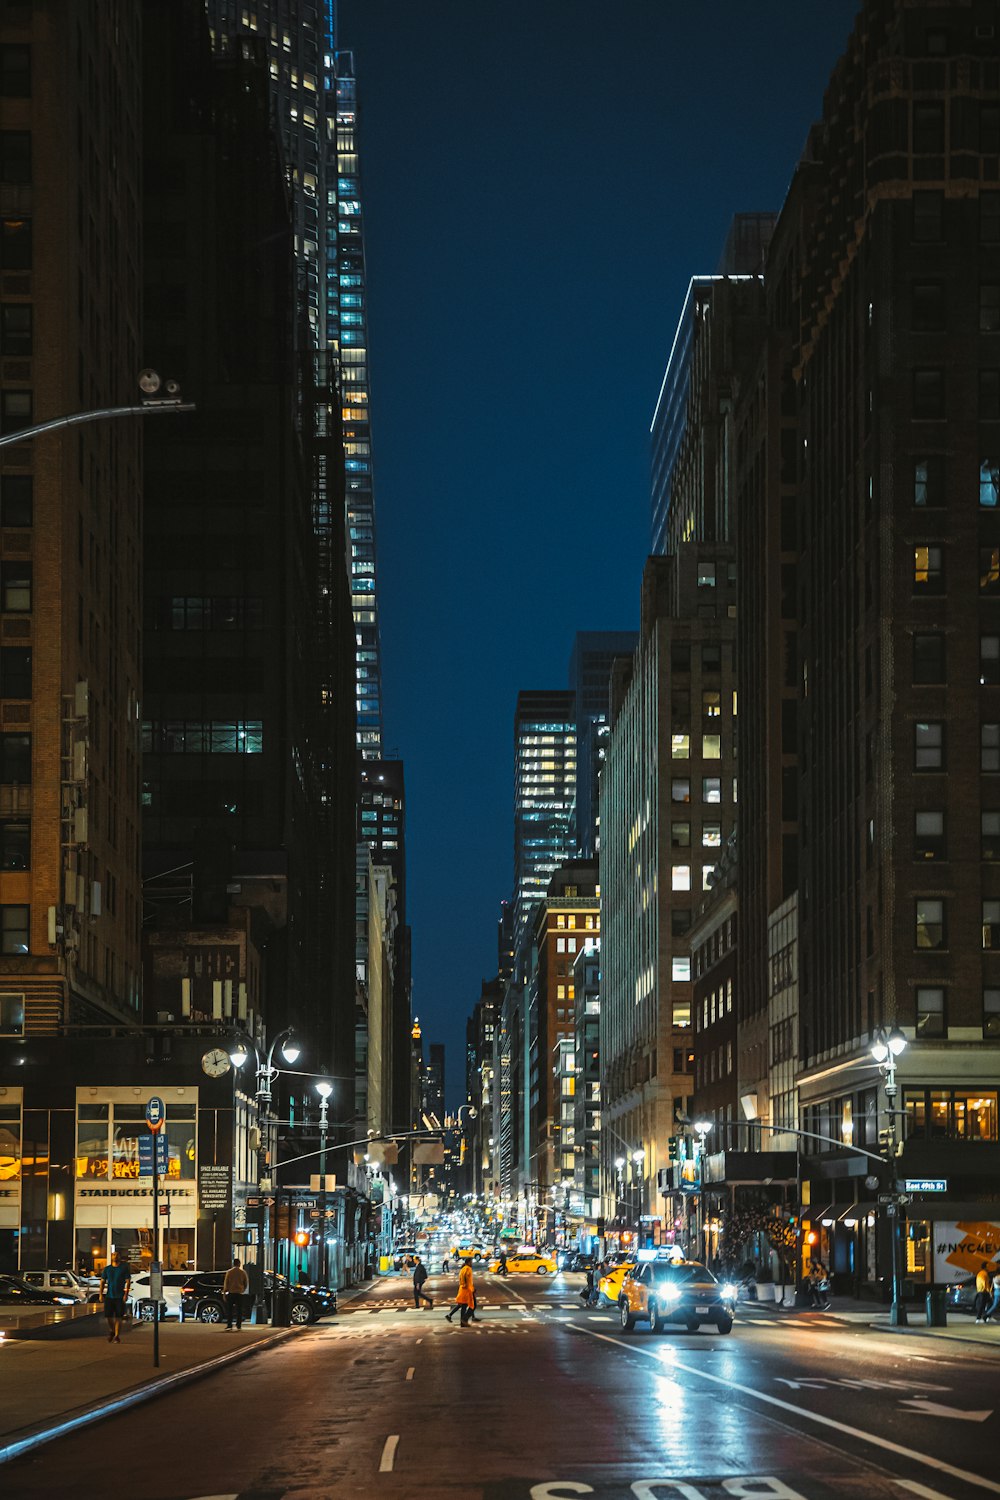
(347, 331)
(314, 95)
(544, 794)
(594, 652)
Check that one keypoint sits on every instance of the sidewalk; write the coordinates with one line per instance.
(961, 1327)
(54, 1385)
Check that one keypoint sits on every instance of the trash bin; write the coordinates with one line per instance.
(937, 1316)
(281, 1307)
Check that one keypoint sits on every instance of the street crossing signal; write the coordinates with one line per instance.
(302, 1236)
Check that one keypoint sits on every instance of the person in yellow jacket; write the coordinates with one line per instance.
(984, 1286)
(465, 1297)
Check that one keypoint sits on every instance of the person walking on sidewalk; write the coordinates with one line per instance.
(989, 1316)
(116, 1280)
(234, 1289)
(984, 1286)
(419, 1277)
(465, 1297)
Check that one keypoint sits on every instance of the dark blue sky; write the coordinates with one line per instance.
(541, 180)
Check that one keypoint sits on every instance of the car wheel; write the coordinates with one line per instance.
(145, 1313)
(210, 1312)
(627, 1320)
(543, 1270)
(692, 1327)
(725, 1325)
(655, 1319)
(300, 1313)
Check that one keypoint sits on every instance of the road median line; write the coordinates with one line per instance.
(799, 1411)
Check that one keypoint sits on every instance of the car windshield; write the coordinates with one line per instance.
(680, 1275)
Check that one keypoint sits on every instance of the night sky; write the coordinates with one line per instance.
(541, 179)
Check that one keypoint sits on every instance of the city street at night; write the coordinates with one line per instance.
(544, 1399)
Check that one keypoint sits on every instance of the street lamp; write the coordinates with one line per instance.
(324, 1089)
(638, 1157)
(267, 1072)
(702, 1127)
(885, 1049)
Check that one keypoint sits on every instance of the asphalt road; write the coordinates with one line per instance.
(545, 1400)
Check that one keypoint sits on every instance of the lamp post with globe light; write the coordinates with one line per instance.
(267, 1071)
(885, 1049)
(324, 1089)
(702, 1128)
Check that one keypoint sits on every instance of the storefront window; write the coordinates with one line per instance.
(956, 1114)
(91, 1251)
(975, 1116)
(10, 1142)
(92, 1141)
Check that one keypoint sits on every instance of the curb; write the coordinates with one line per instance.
(927, 1333)
(34, 1437)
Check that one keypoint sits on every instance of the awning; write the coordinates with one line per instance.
(814, 1213)
(836, 1213)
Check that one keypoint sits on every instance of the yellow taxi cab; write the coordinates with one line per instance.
(532, 1262)
(663, 1291)
(609, 1286)
(467, 1251)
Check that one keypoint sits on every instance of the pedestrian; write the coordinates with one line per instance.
(234, 1289)
(988, 1315)
(502, 1267)
(818, 1286)
(419, 1277)
(465, 1297)
(586, 1292)
(446, 1267)
(116, 1280)
(984, 1286)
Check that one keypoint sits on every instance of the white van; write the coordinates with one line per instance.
(63, 1283)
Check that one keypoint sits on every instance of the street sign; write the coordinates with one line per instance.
(886, 1200)
(926, 1184)
(146, 1155)
(156, 1113)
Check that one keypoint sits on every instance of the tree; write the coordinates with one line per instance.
(758, 1215)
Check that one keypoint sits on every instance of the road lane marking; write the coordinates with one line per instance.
(389, 1454)
(798, 1411)
(409, 1373)
(920, 1489)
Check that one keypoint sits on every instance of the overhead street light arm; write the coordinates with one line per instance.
(75, 419)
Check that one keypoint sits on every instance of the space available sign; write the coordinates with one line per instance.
(213, 1186)
(960, 1249)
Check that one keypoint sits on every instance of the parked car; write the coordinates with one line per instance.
(960, 1296)
(17, 1293)
(201, 1298)
(173, 1285)
(65, 1283)
(662, 1292)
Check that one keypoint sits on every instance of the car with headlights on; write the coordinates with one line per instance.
(661, 1292)
(17, 1293)
(533, 1263)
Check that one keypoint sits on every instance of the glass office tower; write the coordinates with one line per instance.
(314, 95)
(347, 333)
(544, 795)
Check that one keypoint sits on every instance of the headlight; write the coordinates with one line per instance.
(671, 1293)
(66, 1301)
(729, 1291)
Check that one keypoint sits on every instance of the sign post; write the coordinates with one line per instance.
(156, 1114)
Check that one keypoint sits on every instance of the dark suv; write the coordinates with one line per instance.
(201, 1298)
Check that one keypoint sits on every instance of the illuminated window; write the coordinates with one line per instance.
(680, 746)
(680, 877)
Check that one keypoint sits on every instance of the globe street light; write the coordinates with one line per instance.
(267, 1072)
(324, 1089)
(885, 1049)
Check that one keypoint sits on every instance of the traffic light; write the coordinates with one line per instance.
(886, 1140)
(918, 1231)
(673, 1152)
(302, 1237)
